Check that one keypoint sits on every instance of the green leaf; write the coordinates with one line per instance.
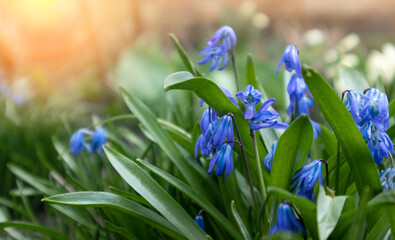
(379, 230)
(329, 210)
(306, 208)
(192, 172)
(239, 221)
(110, 200)
(353, 145)
(214, 97)
(31, 227)
(201, 201)
(357, 229)
(292, 149)
(187, 62)
(329, 140)
(143, 184)
(352, 79)
(250, 76)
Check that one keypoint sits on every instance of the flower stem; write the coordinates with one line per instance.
(233, 58)
(258, 163)
(245, 162)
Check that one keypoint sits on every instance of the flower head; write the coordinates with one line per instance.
(291, 60)
(199, 221)
(226, 35)
(387, 179)
(223, 160)
(296, 88)
(204, 141)
(376, 109)
(265, 118)
(223, 131)
(306, 178)
(250, 97)
(98, 139)
(379, 143)
(354, 103)
(205, 120)
(268, 161)
(216, 54)
(77, 141)
(286, 221)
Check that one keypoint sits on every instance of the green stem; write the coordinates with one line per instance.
(245, 162)
(258, 163)
(233, 58)
(337, 169)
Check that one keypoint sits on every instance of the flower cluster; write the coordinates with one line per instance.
(78, 143)
(297, 90)
(370, 112)
(216, 138)
(217, 48)
(286, 221)
(387, 179)
(306, 178)
(263, 118)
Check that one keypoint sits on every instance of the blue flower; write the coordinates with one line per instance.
(379, 143)
(354, 104)
(216, 54)
(387, 179)
(199, 221)
(226, 35)
(296, 88)
(227, 93)
(99, 138)
(223, 160)
(306, 178)
(250, 97)
(286, 221)
(205, 120)
(207, 127)
(291, 60)
(223, 131)
(265, 118)
(77, 141)
(376, 109)
(268, 161)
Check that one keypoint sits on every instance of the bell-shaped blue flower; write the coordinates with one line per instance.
(387, 179)
(224, 35)
(223, 131)
(376, 109)
(265, 118)
(99, 138)
(286, 221)
(227, 93)
(268, 161)
(379, 143)
(354, 104)
(205, 120)
(306, 178)
(250, 97)
(223, 160)
(216, 54)
(296, 88)
(199, 221)
(77, 141)
(291, 60)
(207, 127)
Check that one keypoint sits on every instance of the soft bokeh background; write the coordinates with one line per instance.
(62, 61)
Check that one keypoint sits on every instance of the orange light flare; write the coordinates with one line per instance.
(57, 39)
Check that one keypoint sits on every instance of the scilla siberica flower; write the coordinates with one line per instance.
(297, 89)
(379, 143)
(99, 138)
(265, 118)
(77, 141)
(217, 48)
(306, 178)
(223, 131)
(286, 221)
(387, 179)
(376, 109)
(223, 160)
(268, 161)
(207, 126)
(250, 97)
(199, 221)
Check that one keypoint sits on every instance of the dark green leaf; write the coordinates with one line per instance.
(239, 221)
(292, 149)
(187, 62)
(31, 227)
(143, 184)
(110, 200)
(250, 76)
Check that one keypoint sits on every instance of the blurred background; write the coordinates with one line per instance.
(62, 61)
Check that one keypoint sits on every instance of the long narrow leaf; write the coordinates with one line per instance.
(239, 221)
(31, 227)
